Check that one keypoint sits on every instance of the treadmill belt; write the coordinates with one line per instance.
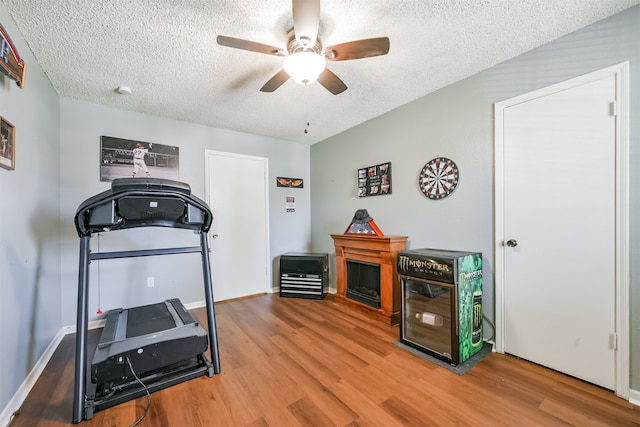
(149, 319)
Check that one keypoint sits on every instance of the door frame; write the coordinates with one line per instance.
(621, 111)
(207, 179)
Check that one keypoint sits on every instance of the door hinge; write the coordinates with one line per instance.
(613, 108)
(613, 341)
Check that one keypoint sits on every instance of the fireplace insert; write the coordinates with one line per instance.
(363, 282)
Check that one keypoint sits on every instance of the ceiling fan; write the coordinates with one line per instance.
(305, 57)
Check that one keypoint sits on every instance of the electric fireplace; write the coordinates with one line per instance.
(366, 273)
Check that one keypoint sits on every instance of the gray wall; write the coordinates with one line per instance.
(457, 122)
(29, 226)
(122, 283)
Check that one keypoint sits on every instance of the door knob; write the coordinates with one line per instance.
(512, 243)
(214, 235)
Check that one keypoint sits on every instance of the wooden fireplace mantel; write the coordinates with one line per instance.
(381, 250)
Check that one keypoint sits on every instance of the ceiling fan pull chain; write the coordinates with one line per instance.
(306, 116)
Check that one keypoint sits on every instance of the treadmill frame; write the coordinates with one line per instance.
(83, 405)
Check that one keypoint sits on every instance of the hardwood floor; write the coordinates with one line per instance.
(296, 362)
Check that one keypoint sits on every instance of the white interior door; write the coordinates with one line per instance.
(558, 217)
(237, 194)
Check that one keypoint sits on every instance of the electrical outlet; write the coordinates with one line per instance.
(150, 282)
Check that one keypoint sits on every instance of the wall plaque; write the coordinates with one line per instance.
(10, 62)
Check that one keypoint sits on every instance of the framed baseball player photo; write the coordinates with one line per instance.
(7, 144)
(126, 158)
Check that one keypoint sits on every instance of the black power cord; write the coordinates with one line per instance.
(145, 389)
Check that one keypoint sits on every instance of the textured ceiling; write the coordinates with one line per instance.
(166, 51)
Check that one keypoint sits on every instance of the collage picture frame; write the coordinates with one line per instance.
(7, 144)
(374, 180)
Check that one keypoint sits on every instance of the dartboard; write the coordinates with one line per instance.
(439, 178)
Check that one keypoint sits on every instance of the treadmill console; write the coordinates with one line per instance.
(143, 202)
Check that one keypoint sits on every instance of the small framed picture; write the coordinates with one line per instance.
(289, 182)
(7, 144)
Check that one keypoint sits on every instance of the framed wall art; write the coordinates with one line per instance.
(374, 180)
(289, 182)
(125, 158)
(7, 144)
(11, 64)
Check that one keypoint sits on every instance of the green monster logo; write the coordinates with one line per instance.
(470, 305)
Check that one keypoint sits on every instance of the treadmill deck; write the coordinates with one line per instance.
(152, 337)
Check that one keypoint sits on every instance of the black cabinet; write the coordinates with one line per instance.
(304, 275)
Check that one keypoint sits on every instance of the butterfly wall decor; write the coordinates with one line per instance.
(289, 182)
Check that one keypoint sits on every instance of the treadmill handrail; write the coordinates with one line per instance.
(143, 252)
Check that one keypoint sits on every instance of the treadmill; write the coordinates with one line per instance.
(158, 344)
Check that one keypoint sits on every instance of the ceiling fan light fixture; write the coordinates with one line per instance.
(304, 67)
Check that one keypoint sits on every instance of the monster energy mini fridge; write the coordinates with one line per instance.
(441, 311)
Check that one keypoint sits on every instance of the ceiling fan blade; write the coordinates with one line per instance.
(331, 82)
(250, 46)
(357, 49)
(306, 20)
(275, 82)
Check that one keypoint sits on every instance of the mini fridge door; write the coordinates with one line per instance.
(429, 317)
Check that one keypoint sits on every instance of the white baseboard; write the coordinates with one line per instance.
(634, 397)
(21, 394)
(28, 383)
(195, 304)
(94, 324)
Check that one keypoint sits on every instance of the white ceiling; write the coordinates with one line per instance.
(166, 51)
